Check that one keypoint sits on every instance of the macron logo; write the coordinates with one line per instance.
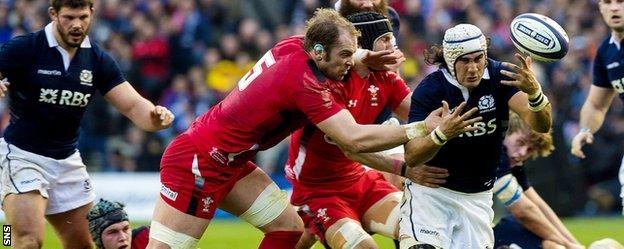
(613, 65)
(49, 72)
(172, 195)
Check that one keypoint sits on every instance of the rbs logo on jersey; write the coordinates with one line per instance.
(482, 129)
(70, 98)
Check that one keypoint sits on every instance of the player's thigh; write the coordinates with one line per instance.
(257, 199)
(73, 227)
(383, 216)
(170, 226)
(25, 213)
(347, 234)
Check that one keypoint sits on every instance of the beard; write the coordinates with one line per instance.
(70, 39)
(347, 8)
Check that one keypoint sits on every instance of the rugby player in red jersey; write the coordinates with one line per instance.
(209, 165)
(341, 201)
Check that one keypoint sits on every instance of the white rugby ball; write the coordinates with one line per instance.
(539, 36)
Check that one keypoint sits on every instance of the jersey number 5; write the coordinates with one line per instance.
(267, 59)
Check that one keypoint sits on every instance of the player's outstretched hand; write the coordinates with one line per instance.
(4, 87)
(454, 124)
(427, 176)
(522, 76)
(161, 117)
(382, 60)
(582, 138)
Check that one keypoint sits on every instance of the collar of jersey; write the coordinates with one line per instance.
(463, 89)
(54, 43)
(614, 41)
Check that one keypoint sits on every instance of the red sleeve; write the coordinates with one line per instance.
(140, 237)
(399, 90)
(314, 99)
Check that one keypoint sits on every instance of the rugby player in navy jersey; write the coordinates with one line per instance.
(531, 222)
(53, 74)
(459, 213)
(608, 81)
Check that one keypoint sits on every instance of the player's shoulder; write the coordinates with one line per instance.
(288, 46)
(604, 45)
(27, 40)
(433, 80)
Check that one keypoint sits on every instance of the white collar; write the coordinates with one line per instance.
(463, 89)
(52, 42)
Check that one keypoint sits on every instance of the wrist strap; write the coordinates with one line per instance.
(403, 169)
(438, 137)
(538, 101)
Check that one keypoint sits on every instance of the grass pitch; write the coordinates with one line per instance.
(235, 234)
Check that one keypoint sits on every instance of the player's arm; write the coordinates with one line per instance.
(530, 104)
(422, 149)
(355, 138)
(550, 215)
(402, 111)
(593, 113)
(527, 213)
(509, 191)
(138, 109)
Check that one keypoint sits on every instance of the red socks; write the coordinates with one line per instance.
(280, 240)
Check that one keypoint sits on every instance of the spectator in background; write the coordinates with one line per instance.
(110, 228)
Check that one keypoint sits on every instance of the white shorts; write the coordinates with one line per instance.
(446, 218)
(65, 183)
(621, 176)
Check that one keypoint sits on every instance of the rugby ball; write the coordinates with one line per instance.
(539, 36)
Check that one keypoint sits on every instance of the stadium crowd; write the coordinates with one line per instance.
(187, 55)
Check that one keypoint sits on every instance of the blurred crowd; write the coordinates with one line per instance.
(188, 54)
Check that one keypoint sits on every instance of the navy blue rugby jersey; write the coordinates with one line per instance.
(504, 168)
(472, 157)
(609, 66)
(49, 93)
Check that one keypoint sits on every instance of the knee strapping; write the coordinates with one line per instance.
(267, 207)
(173, 239)
(352, 234)
(392, 216)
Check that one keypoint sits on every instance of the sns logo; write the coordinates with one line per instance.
(70, 98)
(482, 129)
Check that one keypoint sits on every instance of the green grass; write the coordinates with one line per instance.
(234, 234)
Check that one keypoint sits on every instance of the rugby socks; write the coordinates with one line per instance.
(280, 240)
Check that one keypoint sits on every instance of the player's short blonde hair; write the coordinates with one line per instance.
(541, 142)
(325, 28)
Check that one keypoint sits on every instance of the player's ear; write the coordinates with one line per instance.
(52, 13)
(319, 49)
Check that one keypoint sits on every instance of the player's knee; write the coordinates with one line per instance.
(350, 235)
(27, 241)
(269, 211)
(175, 240)
(385, 218)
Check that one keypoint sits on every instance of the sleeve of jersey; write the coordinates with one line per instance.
(600, 73)
(314, 100)
(109, 74)
(12, 55)
(399, 92)
(507, 190)
(424, 100)
(520, 175)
